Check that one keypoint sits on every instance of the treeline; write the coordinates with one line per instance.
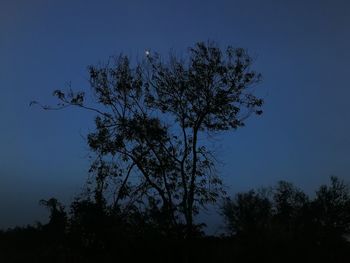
(284, 221)
(280, 223)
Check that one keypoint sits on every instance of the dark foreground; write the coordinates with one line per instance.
(282, 225)
(32, 245)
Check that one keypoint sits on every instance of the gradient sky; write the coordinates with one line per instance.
(300, 47)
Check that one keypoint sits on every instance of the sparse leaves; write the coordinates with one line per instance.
(153, 114)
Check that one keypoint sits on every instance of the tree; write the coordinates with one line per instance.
(248, 214)
(287, 215)
(331, 209)
(58, 219)
(151, 119)
(290, 205)
(279, 210)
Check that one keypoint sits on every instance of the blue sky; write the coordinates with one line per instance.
(300, 47)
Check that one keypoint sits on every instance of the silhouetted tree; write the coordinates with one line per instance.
(151, 118)
(331, 209)
(247, 214)
(58, 217)
(290, 207)
(286, 218)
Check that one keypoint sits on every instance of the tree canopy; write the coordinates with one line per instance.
(286, 214)
(150, 118)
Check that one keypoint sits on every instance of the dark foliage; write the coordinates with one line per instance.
(283, 219)
(151, 120)
(280, 224)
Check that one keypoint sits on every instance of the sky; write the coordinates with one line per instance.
(300, 47)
